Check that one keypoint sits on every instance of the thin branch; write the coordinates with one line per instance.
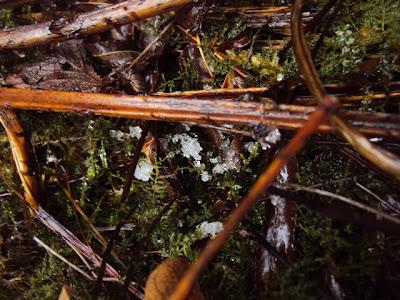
(62, 258)
(21, 148)
(210, 111)
(341, 198)
(74, 267)
(215, 92)
(257, 190)
(392, 96)
(136, 254)
(151, 44)
(385, 160)
(371, 193)
(96, 21)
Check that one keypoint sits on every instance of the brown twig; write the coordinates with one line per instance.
(215, 92)
(380, 157)
(21, 148)
(259, 187)
(349, 201)
(392, 96)
(152, 44)
(209, 111)
(96, 21)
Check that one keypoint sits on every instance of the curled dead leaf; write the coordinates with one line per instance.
(163, 280)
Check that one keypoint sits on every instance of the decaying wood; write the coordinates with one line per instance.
(96, 21)
(259, 187)
(279, 223)
(383, 159)
(209, 111)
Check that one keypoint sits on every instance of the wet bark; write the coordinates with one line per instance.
(96, 21)
(207, 111)
(279, 224)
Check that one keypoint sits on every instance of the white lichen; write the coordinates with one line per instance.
(118, 135)
(205, 176)
(143, 170)
(273, 136)
(335, 288)
(283, 176)
(210, 229)
(250, 146)
(135, 132)
(279, 234)
(213, 160)
(190, 146)
(230, 161)
(50, 157)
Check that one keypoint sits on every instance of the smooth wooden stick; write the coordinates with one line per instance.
(92, 22)
(200, 111)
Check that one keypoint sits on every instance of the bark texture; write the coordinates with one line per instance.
(86, 23)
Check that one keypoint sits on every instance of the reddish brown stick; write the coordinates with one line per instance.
(262, 183)
(92, 22)
(208, 111)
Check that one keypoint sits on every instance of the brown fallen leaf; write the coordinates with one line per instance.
(64, 69)
(66, 293)
(163, 280)
(150, 147)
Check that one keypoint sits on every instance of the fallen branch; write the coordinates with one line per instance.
(258, 189)
(208, 111)
(96, 21)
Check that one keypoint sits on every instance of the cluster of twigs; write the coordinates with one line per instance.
(200, 107)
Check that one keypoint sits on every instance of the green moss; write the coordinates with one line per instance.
(7, 18)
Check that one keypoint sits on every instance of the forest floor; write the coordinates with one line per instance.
(138, 131)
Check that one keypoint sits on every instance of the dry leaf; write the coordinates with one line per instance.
(163, 280)
(66, 293)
